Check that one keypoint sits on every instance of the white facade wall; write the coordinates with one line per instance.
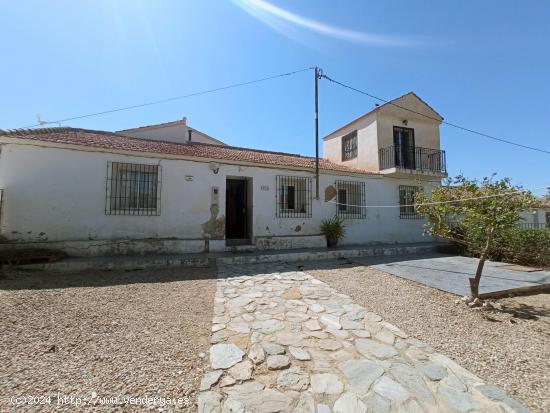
(53, 194)
(375, 131)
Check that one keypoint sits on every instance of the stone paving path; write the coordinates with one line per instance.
(283, 341)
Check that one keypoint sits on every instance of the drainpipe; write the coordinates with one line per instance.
(189, 131)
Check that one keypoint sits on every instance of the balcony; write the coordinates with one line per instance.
(398, 159)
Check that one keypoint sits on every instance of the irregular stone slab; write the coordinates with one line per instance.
(209, 402)
(256, 353)
(268, 326)
(312, 325)
(349, 403)
(217, 327)
(385, 336)
(412, 381)
(372, 317)
(316, 308)
(306, 404)
(360, 333)
(331, 321)
(299, 353)
(360, 374)
(242, 370)
(277, 362)
(369, 347)
(288, 338)
(356, 314)
(457, 399)
(239, 327)
(341, 334)
(293, 379)
(329, 344)
(254, 398)
(433, 371)
(272, 348)
(323, 408)
(210, 379)
(292, 294)
(497, 394)
(223, 356)
(326, 383)
(376, 403)
(390, 389)
(351, 325)
(317, 334)
(227, 381)
(296, 317)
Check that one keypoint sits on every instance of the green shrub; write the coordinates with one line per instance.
(518, 246)
(333, 228)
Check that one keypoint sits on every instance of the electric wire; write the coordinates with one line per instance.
(454, 125)
(171, 99)
(523, 191)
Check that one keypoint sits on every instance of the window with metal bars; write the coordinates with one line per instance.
(293, 197)
(349, 146)
(350, 199)
(132, 189)
(407, 196)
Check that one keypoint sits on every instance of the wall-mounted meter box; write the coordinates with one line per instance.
(215, 195)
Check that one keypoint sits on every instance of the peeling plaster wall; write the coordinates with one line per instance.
(59, 195)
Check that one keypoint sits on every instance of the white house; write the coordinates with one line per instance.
(152, 189)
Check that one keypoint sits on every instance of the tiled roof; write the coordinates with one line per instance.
(115, 141)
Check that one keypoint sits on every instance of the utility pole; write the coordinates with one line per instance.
(317, 75)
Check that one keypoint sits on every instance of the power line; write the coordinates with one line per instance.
(171, 99)
(439, 202)
(454, 125)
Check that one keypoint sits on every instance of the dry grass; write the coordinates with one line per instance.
(113, 334)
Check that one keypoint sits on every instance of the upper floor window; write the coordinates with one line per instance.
(349, 146)
(407, 195)
(293, 197)
(132, 189)
(350, 196)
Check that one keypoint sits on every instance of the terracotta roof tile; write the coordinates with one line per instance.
(115, 141)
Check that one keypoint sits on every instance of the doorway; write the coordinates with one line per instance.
(403, 141)
(237, 222)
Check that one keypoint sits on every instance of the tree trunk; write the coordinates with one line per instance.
(474, 282)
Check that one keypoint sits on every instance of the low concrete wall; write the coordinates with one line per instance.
(291, 242)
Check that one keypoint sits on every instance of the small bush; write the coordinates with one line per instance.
(333, 228)
(518, 246)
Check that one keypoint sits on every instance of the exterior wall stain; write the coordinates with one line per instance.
(330, 193)
(298, 228)
(214, 228)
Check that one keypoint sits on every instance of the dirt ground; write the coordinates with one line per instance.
(508, 347)
(104, 335)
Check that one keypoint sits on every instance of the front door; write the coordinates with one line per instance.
(403, 141)
(236, 209)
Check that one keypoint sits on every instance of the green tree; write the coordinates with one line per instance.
(466, 210)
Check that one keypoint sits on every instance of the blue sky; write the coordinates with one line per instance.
(484, 65)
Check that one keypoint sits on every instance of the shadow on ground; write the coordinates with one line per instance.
(39, 280)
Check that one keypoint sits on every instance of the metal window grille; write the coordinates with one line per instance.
(349, 146)
(350, 199)
(293, 197)
(406, 200)
(132, 189)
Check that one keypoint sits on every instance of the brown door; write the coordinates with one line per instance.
(236, 209)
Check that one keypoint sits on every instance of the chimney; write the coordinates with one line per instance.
(184, 120)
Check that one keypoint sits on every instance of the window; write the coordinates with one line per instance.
(547, 219)
(132, 189)
(406, 201)
(350, 200)
(349, 146)
(293, 197)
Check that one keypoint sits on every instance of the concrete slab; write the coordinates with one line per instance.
(450, 273)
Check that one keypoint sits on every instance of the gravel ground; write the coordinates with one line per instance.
(137, 334)
(508, 347)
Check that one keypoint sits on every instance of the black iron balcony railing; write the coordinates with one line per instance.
(414, 158)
